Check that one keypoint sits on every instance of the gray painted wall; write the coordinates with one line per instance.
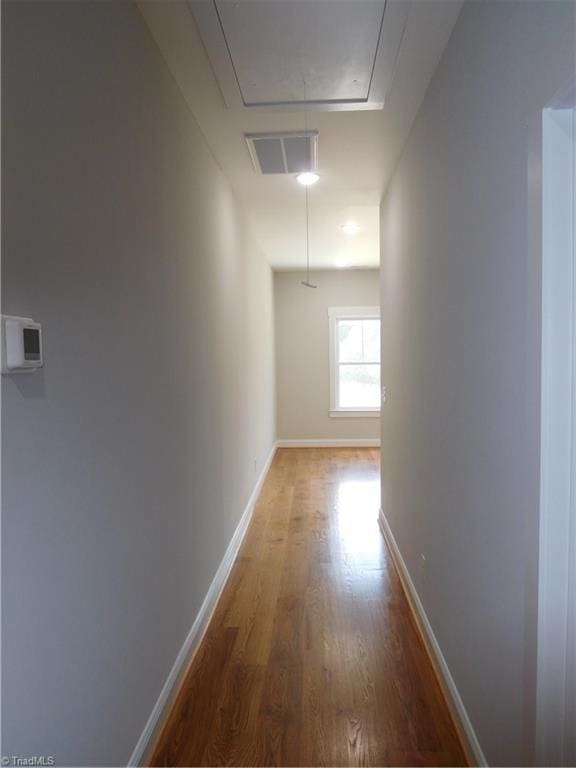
(460, 316)
(302, 351)
(128, 460)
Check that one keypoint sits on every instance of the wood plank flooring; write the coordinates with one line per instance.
(312, 657)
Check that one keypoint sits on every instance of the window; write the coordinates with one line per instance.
(354, 361)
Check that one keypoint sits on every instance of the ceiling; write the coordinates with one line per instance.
(232, 58)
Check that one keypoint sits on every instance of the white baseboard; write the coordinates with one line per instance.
(468, 736)
(368, 442)
(196, 633)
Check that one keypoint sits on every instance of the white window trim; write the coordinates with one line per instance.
(346, 313)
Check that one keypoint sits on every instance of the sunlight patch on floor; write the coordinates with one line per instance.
(357, 505)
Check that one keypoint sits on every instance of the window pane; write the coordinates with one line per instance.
(371, 341)
(359, 386)
(350, 341)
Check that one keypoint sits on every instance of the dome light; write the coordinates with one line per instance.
(307, 178)
(350, 228)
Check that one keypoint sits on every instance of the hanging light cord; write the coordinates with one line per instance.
(307, 282)
(307, 238)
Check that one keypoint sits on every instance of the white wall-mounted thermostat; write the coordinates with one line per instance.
(21, 344)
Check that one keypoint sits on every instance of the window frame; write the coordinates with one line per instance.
(335, 314)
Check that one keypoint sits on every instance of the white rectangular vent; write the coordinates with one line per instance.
(284, 152)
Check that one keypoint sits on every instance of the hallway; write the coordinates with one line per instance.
(312, 657)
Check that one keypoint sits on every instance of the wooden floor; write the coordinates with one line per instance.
(312, 657)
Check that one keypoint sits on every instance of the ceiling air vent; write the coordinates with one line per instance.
(284, 152)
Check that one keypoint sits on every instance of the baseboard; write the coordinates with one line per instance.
(468, 737)
(368, 442)
(152, 729)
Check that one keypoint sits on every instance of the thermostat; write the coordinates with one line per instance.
(21, 344)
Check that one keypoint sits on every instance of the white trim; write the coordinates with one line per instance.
(365, 413)
(343, 313)
(460, 716)
(367, 442)
(196, 633)
(334, 315)
(556, 688)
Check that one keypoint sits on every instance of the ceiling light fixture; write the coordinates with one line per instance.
(307, 178)
(341, 264)
(350, 228)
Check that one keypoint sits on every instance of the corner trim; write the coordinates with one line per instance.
(368, 442)
(464, 727)
(169, 691)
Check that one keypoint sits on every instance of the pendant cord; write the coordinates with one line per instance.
(307, 241)
(307, 204)
(307, 282)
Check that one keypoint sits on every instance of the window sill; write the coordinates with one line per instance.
(355, 414)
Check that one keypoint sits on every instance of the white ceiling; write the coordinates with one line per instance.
(357, 150)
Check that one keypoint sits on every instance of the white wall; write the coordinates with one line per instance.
(128, 460)
(302, 352)
(460, 316)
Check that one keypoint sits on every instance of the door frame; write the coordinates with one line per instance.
(556, 672)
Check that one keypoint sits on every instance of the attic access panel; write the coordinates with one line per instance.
(295, 54)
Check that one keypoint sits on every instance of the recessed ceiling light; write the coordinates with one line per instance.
(350, 228)
(307, 178)
(341, 264)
